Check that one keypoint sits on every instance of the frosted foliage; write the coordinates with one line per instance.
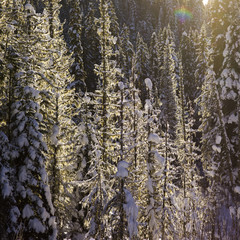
(131, 211)
(32, 153)
(43, 175)
(153, 137)
(233, 118)
(44, 214)
(22, 140)
(27, 211)
(216, 149)
(55, 132)
(237, 189)
(123, 164)
(121, 85)
(148, 105)
(218, 139)
(53, 224)
(148, 83)
(6, 189)
(29, 7)
(23, 174)
(159, 158)
(84, 139)
(36, 225)
(149, 185)
(48, 197)
(153, 221)
(14, 214)
(122, 171)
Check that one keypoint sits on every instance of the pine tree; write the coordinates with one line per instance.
(105, 149)
(34, 211)
(125, 53)
(90, 43)
(216, 152)
(75, 32)
(142, 64)
(154, 64)
(188, 55)
(59, 106)
(168, 82)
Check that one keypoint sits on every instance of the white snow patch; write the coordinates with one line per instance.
(14, 214)
(39, 116)
(216, 149)
(55, 132)
(23, 174)
(121, 85)
(233, 118)
(131, 213)
(114, 40)
(148, 105)
(29, 7)
(49, 199)
(218, 139)
(84, 139)
(22, 140)
(159, 158)
(6, 189)
(149, 185)
(27, 211)
(44, 214)
(123, 164)
(36, 225)
(148, 83)
(122, 171)
(153, 137)
(229, 82)
(237, 189)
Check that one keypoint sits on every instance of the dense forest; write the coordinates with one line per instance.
(119, 119)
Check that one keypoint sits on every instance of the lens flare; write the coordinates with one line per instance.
(183, 14)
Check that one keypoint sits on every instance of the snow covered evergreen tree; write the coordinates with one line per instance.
(106, 148)
(59, 105)
(75, 32)
(142, 65)
(90, 43)
(32, 215)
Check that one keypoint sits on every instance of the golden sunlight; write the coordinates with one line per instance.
(205, 2)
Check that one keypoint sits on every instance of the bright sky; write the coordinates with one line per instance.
(205, 2)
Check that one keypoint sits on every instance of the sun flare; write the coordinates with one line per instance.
(205, 2)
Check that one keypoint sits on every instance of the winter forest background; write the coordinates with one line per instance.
(119, 119)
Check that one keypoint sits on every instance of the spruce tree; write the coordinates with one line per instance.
(75, 34)
(33, 210)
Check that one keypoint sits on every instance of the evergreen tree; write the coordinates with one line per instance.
(59, 106)
(168, 83)
(34, 211)
(125, 53)
(216, 153)
(75, 32)
(90, 43)
(142, 64)
(105, 149)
